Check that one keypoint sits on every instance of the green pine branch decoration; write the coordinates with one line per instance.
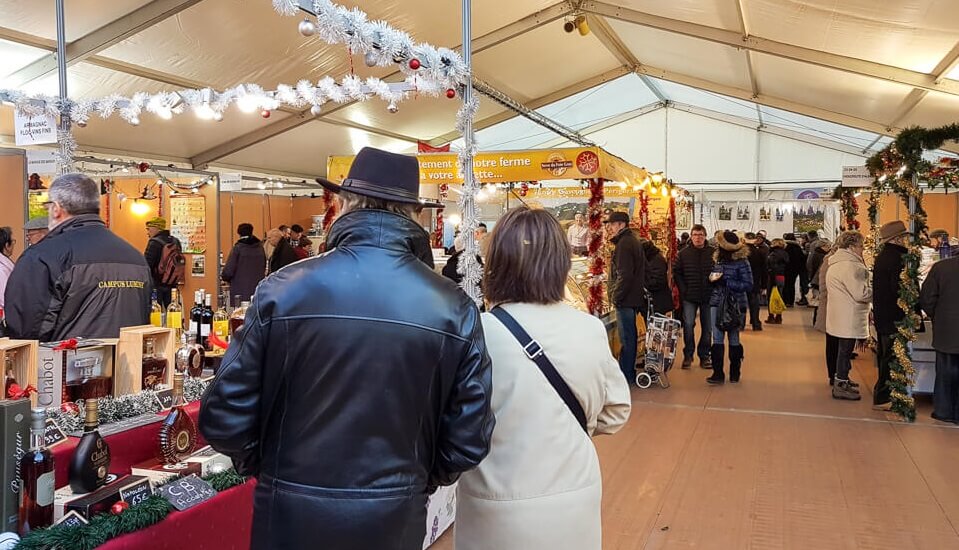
(104, 527)
(899, 168)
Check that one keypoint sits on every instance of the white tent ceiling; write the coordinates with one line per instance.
(835, 74)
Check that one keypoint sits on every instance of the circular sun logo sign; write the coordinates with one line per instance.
(556, 164)
(588, 163)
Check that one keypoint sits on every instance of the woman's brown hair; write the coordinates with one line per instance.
(528, 260)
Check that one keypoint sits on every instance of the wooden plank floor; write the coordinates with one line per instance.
(775, 462)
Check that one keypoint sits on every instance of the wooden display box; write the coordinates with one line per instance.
(128, 377)
(57, 370)
(24, 353)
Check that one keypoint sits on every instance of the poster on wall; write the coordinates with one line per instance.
(765, 214)
(725, 213)
(188, 222)
(808, 218)
(36, 207)
(742, 213)
(684, 216)
(198, 267)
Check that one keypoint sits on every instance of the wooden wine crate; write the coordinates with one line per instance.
(24, 353)
(128, 376)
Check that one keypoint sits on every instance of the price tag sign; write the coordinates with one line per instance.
(136, 492)
(230, 181)
(72, 519)
(52, 434)
(165, 397)
(34, 130)
(187, 492)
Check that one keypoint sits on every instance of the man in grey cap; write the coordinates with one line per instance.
(36, 230)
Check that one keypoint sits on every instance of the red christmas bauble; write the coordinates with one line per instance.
(70, 407)
(414, 64)
(118, 507)
(265, 113)
(143, 166)
(451, 93)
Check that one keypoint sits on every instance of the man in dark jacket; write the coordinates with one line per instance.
(627, 277)
(757, 263)
(246, 266)
(691, 274)
(940, 300)
(885, 304)
(359, 381)
(794, 272)
(159, 238)
(81, 280)
(283, 253)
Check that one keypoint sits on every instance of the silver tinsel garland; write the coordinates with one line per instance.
(469, 267)
(115, 409)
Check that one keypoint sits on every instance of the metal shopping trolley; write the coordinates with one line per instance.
(662, 339)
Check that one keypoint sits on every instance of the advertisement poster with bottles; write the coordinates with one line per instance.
(188, 222)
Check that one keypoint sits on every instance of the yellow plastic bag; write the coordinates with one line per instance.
(776, 304)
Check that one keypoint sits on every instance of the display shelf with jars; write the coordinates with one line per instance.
(19, 360)
(144, 359)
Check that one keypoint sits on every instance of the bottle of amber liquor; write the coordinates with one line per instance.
(37, 479)
(91, 460)
(154, 368)
(178, 431)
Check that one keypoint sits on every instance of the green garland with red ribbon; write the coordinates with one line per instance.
(899, 168)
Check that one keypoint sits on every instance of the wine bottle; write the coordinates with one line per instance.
(221, 323)
(174, 313)
(37, 479)
(91, 459)
(206, 322)
(156, 312)
(195, 312)
(177, 437)
(9, 376)
(154, 367)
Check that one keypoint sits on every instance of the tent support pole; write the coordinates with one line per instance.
(62, 74)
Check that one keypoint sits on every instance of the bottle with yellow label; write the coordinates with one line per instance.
(156, 312)
(221, 323)
(174, 313)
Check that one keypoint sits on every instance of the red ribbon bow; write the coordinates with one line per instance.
(16, 392)
(215, 340)
(66, 344)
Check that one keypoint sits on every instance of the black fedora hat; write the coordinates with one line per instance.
(383, 175)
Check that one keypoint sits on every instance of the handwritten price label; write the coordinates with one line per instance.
(187, 492)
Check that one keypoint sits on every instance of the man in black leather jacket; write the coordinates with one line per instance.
(359, 381)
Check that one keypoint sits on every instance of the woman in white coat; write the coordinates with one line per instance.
(847, 317)
(540, 486)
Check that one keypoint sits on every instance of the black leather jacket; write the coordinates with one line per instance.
(359, 380)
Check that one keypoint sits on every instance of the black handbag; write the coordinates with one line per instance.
(729, 317)
(535, 353)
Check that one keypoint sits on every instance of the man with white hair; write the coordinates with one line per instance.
(81, 280)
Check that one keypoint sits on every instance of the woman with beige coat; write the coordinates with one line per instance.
(540, 486)
(847, 316)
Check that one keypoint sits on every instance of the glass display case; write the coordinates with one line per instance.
(577, 292)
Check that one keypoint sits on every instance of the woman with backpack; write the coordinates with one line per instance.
(731, 279)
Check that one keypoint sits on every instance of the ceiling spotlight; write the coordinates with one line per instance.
(581, 25)
(657, 178)
(569, 26)
(279, 185)
(261, 186)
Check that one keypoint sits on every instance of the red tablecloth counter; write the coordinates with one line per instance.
(126, 448)
(221, 523)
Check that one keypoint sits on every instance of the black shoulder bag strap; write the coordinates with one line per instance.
(535, 353)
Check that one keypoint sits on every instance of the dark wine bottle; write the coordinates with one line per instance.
(91, 460)
(37, 479)
(206, 323)
(178, 432)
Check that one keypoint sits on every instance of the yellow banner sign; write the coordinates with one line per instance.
(515, 166)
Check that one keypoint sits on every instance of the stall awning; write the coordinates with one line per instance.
(516, 166)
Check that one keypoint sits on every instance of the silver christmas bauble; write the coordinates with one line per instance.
(370, 60)
(316, 110)
(393, 108)
(307, 28)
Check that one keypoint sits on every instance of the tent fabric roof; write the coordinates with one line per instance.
(845, 72)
